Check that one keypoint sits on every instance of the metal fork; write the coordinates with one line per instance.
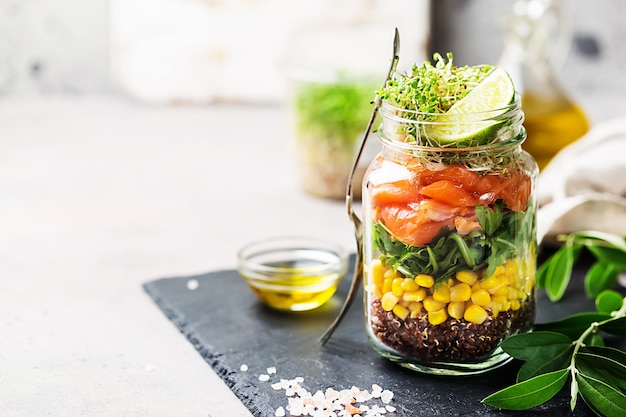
(357, 275)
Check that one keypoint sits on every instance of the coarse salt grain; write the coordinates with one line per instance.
(375, 411)
(331, 402)
(243, 368)
(386, 396)
(334, 403)
(192, 284)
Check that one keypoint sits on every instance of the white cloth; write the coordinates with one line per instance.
(584, 186)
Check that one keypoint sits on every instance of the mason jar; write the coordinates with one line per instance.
(449, 246)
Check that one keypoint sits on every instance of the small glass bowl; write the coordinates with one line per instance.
(293, 273)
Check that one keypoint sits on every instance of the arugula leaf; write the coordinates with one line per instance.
(529, 393)
(450, 252)
(489, 219)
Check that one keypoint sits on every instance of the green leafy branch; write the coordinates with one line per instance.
(609, 251)
(574, 348)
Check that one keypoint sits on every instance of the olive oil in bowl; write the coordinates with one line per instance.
(293, 274)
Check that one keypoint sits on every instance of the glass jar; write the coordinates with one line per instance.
(449, 246)
(331, 87)
(329, 115)
(333, 76)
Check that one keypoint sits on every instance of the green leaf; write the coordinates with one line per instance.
(529, 393)
(610, 359)
(610, 255)
(490, 220)
(601, 276)
(602, 398)
(615, 327)
(599, 373)
(608, 301)
(559, 271)
(595, 339)
(549, 363)
(612, 239)
(535, 345)
(543, 352)
(573, 326)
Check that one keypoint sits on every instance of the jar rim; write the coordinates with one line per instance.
(391, 111)
(490, 130)
(417, 147)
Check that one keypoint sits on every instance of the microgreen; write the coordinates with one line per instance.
(443, 106)
(433, 88)
(573, 348)
(430, 90)
(333, 111)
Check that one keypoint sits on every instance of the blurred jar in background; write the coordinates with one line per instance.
(334, 72)
(330, 117)
(537, 38)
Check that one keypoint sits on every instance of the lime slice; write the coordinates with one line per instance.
(460, 126)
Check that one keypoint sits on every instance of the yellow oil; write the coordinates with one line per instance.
(550, 126)
(294, 289)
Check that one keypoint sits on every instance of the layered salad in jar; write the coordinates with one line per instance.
(450, 217)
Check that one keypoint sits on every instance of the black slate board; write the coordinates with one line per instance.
(229, 327)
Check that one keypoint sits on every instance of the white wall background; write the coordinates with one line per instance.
(54, 46)
(198, 50)
(95, 46)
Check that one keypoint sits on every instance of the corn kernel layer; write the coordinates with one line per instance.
(467, 296)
